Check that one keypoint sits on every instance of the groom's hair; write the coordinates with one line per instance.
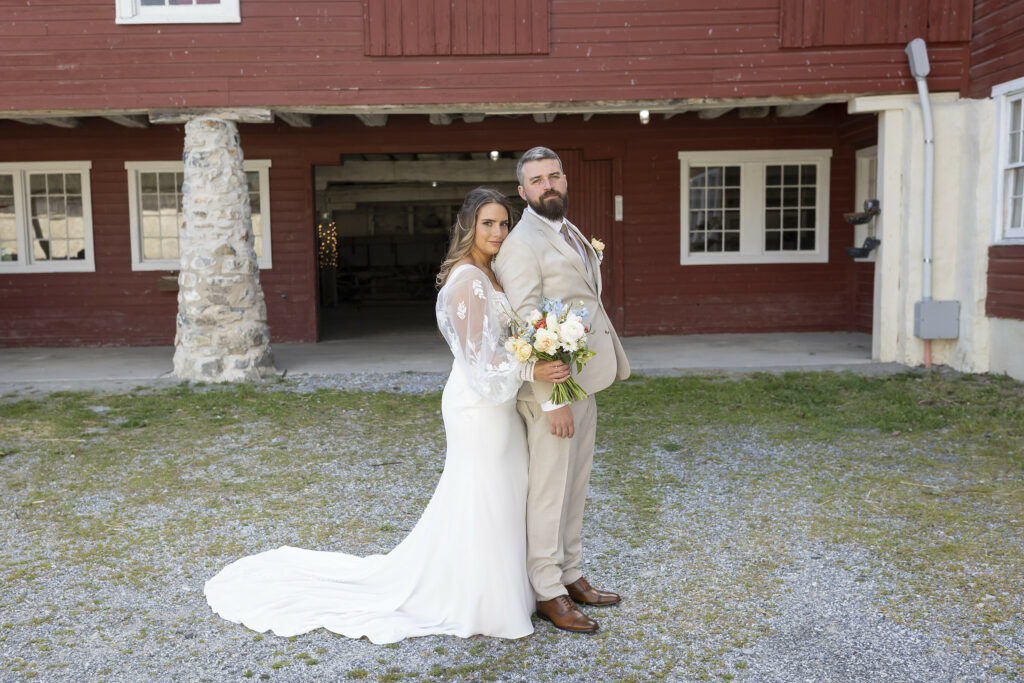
(534, 154)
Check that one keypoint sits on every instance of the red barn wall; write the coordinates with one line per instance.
(64, 55)
(997, 45)
(116, 305)
(1005, 282)
(655, 293)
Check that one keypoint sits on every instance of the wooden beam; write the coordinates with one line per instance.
(440, 119)
(789, 110)
(239, 115)
(753, 112)
(59, 121)
(373, 120)
(337, 197)
(442, 171)
(129, 120)
(681, 110)
(294, 119)
(713, 113)
(589, 115)
(473, 118)
(544, 118)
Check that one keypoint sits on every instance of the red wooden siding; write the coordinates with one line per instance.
(116, 305)
(997, 46)
(71, 55)
(816, 23)
(1005, 282)
(396, 28)
(606, 155)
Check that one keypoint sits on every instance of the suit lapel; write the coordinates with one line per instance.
(560, 245)
(593, 269)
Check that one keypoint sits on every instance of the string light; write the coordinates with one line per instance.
(327, 249)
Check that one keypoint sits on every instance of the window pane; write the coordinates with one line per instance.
(254, 203)
(772, 240)
(147, 182)
(807, 239)
(252, 179)
(773, 197)
(8, 227)
(166, 183)
(732, 241)
(790, 196)
(772, 220)
(732, 196)
(1014, 148)
(73, 183)
(1015, 115)
(707, 217)
(773, 175)
(696, 199)
(55, 183)
(807, 196)
(808, 174)
(791, 175)
(169, 248)
(790, 240)
(790, 219)
(151, 248)
(76, 249)
(807, 218)
(153, 3)
(37, 183)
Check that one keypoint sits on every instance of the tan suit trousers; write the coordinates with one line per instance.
(559, 477)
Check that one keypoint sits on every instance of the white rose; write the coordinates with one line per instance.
(552, 322)
(534, 316)
(510, 344)
(546, 341)
(572, 330)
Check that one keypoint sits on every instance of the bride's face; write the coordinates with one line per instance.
(492, 225)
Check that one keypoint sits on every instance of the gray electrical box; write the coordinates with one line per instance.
(937, 319)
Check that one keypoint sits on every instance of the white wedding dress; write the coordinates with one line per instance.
(462, 569)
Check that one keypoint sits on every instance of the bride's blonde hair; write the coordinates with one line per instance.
(464, 230)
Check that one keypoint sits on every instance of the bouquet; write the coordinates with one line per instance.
(556, 331)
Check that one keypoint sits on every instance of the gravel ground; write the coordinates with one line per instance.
(725, 579)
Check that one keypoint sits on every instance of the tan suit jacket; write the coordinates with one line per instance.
(535, 262)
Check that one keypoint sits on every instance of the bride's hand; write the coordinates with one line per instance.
(554, 371)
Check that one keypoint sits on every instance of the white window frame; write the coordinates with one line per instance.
(1003, 94)
(134, 168)
(867, 160)
(25, 262)
(752, 191)
(134, 12)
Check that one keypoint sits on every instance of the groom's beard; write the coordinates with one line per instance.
(551, 205)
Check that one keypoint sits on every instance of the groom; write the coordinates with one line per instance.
(547, 256)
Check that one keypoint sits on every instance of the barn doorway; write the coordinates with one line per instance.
(383, 228)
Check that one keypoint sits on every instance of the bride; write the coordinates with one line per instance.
(462, 569)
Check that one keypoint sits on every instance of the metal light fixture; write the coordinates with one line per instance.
(645, 117)
(495, 154)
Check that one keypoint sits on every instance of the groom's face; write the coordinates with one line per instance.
(544, 188)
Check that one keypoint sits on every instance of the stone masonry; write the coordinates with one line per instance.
(222, 331)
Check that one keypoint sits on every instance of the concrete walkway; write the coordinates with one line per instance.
(57, 369)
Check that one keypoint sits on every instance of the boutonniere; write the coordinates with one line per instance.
(598, 246)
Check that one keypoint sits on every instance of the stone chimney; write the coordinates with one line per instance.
(222, 332)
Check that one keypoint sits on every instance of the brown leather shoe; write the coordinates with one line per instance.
(581, 591)
(565, 615)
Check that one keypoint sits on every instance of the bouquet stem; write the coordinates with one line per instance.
(567, 392)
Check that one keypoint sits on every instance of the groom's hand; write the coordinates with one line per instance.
(561, 422)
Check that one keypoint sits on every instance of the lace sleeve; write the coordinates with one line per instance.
(475, 328)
